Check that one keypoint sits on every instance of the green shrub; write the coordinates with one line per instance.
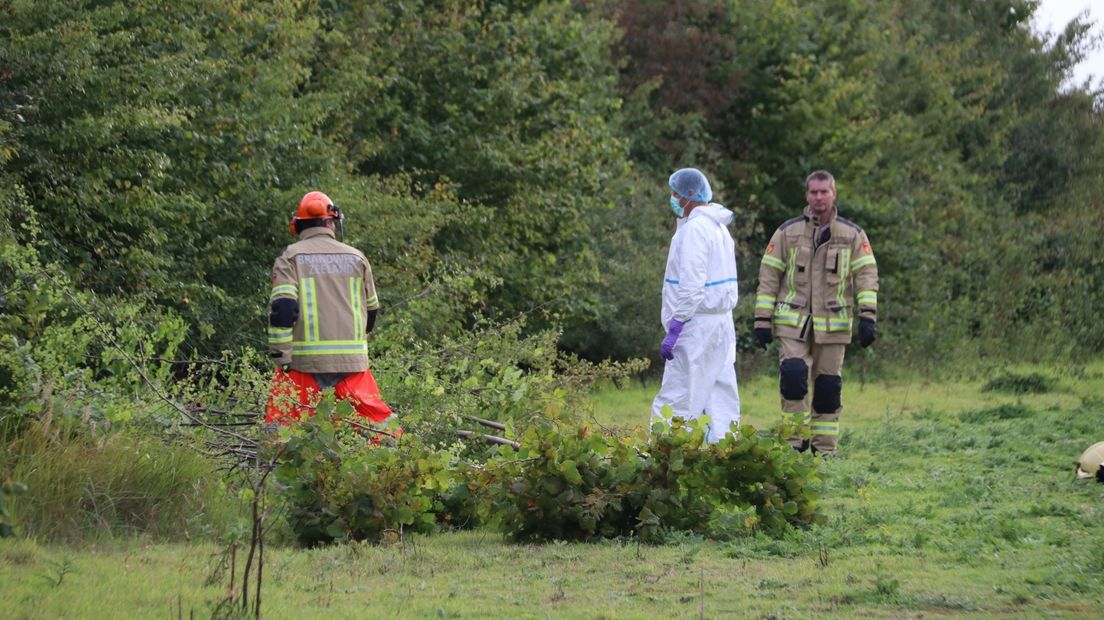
(573, 484)
(341, 488)
(566, 482)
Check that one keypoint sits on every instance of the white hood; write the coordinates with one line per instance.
(715, 212)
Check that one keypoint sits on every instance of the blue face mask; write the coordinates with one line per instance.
(675, 206)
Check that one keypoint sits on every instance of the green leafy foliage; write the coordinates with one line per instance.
(497, 373)
(145, 150)
(67, 353)
(513, 105)
(339, 488)
(564, 482)
(469, 146)
(572, 484)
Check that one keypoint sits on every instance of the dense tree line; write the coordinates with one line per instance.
(498, 159)
(973, 172)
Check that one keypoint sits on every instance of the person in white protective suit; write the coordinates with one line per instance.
(699, 293)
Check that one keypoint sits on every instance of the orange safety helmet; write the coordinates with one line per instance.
(314, 206)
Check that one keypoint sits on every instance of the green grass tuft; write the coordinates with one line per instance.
(1006, 411)
(84, 489)
(1013, 383)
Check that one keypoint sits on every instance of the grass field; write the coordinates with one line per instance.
(947, 500)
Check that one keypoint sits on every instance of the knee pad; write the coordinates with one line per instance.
(793, 379)
(826, 393)
(284, 312)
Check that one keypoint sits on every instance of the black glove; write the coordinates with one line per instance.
(867, 332)
(372, 319)
(764, 335)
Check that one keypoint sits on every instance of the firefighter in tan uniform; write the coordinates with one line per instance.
(817, 276)
(322, 306)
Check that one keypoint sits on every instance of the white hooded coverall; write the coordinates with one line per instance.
(699, 289)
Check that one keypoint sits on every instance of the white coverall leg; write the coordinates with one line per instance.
(701, 379)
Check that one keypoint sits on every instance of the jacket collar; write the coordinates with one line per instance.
(317, 231)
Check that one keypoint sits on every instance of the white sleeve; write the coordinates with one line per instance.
(693, 268)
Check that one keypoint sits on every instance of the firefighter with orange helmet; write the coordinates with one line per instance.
(322, 307)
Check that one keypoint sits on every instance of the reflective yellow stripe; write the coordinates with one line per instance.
(788, 318)
(862, 261)
(825, 428)
(309, 309)
(279, 335)
(372, 302)
(790, 290)
(822, 324)
(330, 347)
(867, 298)
(284, 290)
(844, 261)
(765, 301)
(355, 287)
(771, 261)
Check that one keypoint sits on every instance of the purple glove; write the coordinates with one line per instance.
(667, 347)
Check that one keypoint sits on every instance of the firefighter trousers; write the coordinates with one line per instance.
(294, 393)
(809, 376)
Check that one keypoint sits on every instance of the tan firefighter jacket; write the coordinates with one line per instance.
(821, 287)
(333, 284)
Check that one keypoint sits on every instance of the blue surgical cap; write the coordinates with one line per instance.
(690, 183)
